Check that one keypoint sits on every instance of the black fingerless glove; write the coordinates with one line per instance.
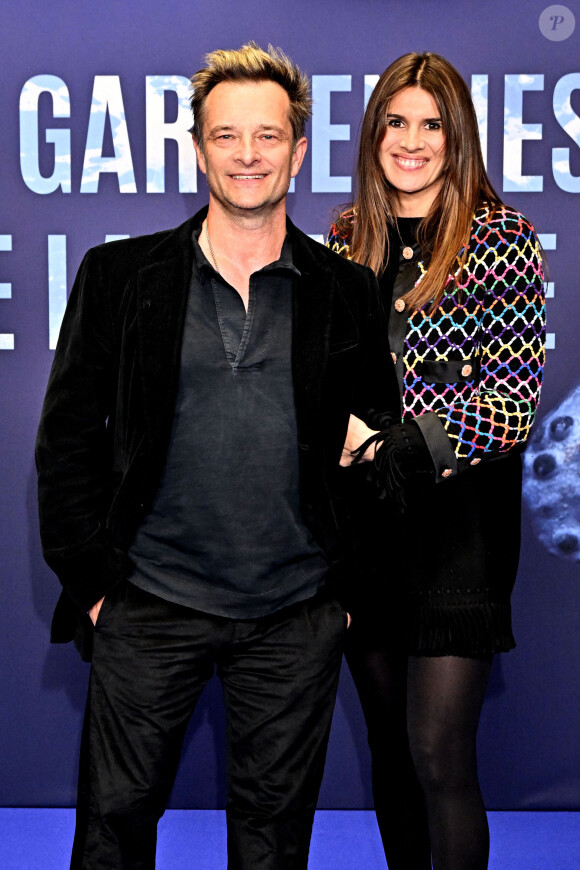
(401, 455)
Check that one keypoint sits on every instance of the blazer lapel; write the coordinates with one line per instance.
(162, 292)
(312, 316)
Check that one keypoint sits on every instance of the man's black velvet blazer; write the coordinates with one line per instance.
(108, 409)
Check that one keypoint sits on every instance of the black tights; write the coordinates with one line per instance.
(422, 715)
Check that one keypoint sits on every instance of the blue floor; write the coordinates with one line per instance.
(39, 839)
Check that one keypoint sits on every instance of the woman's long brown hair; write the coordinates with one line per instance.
(444, 232)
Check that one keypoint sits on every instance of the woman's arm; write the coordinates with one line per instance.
(505, 262)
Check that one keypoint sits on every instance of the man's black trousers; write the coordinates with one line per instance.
(151, 661)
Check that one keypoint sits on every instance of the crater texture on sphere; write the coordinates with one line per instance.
(552, 478)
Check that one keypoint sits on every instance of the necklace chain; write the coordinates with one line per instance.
(211, 249)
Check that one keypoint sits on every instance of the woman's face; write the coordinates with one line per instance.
(412, 153)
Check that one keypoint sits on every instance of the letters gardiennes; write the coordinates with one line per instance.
(43, 145)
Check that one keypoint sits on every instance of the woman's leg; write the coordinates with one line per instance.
(445, 696)
(380, 676)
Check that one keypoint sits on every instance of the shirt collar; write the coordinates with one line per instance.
(284, 262)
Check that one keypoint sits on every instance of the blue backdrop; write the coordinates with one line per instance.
(94, 145)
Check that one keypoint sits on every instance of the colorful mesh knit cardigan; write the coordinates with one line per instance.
(470, 372)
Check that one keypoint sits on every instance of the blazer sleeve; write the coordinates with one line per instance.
(505, 261)
(378, 391)
(73, 448)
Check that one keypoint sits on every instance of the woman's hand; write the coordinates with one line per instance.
(356, 434)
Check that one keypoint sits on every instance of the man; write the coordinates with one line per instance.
(191, 432)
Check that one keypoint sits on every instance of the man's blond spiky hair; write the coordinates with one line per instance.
(251, 63)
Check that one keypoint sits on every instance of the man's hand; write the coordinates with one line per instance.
(94, 611)
(357, 433)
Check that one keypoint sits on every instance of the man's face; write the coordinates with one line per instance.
(248, 155)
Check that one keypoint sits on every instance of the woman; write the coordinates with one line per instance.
(461, 279)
